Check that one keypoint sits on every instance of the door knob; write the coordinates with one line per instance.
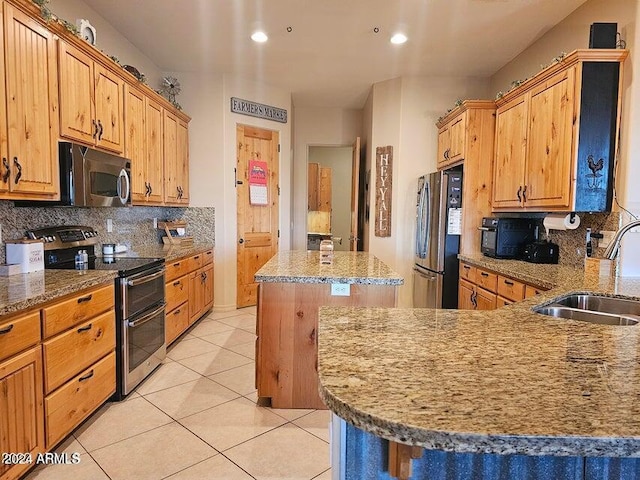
(241, 240)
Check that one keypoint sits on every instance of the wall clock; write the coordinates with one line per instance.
(86, 31)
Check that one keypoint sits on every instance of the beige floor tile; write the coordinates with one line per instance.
(117, 421)
(216, 468)
(227, 314)
(215, 361)
(316, 423)
(154, 454)
(231, 423)
(246, 322)
(287, 452)
(230, 338)
(326, 475)
(167, 376)
(189, 398)
(189, 347)
(86, 469)
(289, 414)
(240, 379)
(209, 327)
(70, 445)
(247, 349)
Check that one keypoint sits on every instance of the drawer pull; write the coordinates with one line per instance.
(85, 299)
(466, 267)
(175, 284)
(176, 264)
(176, 312)
(86, 377)
(484, 274)
(507, 282)
(85, 329)
(6, 329)
(196, 257)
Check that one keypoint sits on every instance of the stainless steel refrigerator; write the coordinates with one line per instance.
(437, 241)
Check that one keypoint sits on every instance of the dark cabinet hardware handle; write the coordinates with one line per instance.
(474, 299)
(519, 193)
(84, 329)
(150, 189)
(204, 277)
(176, 312)
(7, 174)
(6, 329)
(86, 377)
(241, 241)
(19, 168)
(175, 284)
(196, 257)
(524, 193)
(101, 130)
(146, 189)
(466, 267)
(484, 274)
(176, 264)
(507, 282)
(85, 299)
(95, 129)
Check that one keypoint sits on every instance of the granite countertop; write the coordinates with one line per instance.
(301, 266)
(19, 292)
(506, 381)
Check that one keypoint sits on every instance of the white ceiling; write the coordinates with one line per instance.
(332, 56)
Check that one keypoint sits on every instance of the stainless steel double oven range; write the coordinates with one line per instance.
(139, 300)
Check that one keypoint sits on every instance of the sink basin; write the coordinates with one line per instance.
(594, 309)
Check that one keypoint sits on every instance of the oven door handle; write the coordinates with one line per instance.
(144, 319)
(144, 279)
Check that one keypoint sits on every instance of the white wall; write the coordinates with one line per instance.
(404, 114)
(316, 126)
(573, 33)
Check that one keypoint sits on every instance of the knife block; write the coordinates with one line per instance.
(171, 229)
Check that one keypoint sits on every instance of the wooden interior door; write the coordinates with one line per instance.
(257, 224)
(355, 183)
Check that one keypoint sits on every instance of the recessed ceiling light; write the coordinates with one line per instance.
(259, 37)
(398, 38)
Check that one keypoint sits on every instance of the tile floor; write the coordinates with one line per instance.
(196, 418)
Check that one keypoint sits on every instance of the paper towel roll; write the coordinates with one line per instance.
(559, 221)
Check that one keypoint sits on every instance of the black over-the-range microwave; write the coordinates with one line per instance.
(504, 237)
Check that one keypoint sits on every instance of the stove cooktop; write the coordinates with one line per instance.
(125, 266)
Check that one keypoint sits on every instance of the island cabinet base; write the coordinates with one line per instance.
(359, 455)
(287, 326)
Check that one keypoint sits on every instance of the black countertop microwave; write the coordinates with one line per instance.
(90, 178)
(504, 237)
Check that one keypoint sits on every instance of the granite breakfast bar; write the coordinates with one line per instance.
(292, 286)
(503, 394)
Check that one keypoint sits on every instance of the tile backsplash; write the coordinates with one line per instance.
(131, 226)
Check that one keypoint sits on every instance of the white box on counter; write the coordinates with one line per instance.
(29, 254)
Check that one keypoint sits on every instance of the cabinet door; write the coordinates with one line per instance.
(549, 156)
(155, 155)
(182, 156)
(195, 296)
(466, 295)
(77, 115)
(108, 109)
(21, 408)
(207, 287)
(458, 136)
(511, 147)
(170, 128)
(444, 142)
(485, 300)
(135, 139)
(32, 103)
(4, 156)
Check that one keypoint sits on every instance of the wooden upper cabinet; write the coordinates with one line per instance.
(91, 101)
(556, 136)
(29, 144)
(143, 146)
(176, 160)
(444, 142)
(452, 141)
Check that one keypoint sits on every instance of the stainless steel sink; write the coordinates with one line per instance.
(594, 309)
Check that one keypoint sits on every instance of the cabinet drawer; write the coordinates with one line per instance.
(71, 352)
(78, 398)
(19, 333)
(486, 280)
(196, 262)
(177, 292)
(176, 322)
(511, 289)
(530, 291)
(76, 309)
(501, 302)
(468, 272)
(485, 300)
(207, 257)
(176, 269)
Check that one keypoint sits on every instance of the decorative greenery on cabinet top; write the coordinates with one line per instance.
(461, 106)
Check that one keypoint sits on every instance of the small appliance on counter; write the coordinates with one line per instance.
(505, 237)
(541, 252)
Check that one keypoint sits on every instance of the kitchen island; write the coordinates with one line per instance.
(495, 394)
(292, 286)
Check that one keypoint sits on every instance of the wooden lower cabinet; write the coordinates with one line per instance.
(466, 295)
(78, 398)
(287, 326)
(485, 300)
(188, 292)
(21, 409)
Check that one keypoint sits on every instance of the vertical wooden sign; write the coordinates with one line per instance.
(384, 181)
